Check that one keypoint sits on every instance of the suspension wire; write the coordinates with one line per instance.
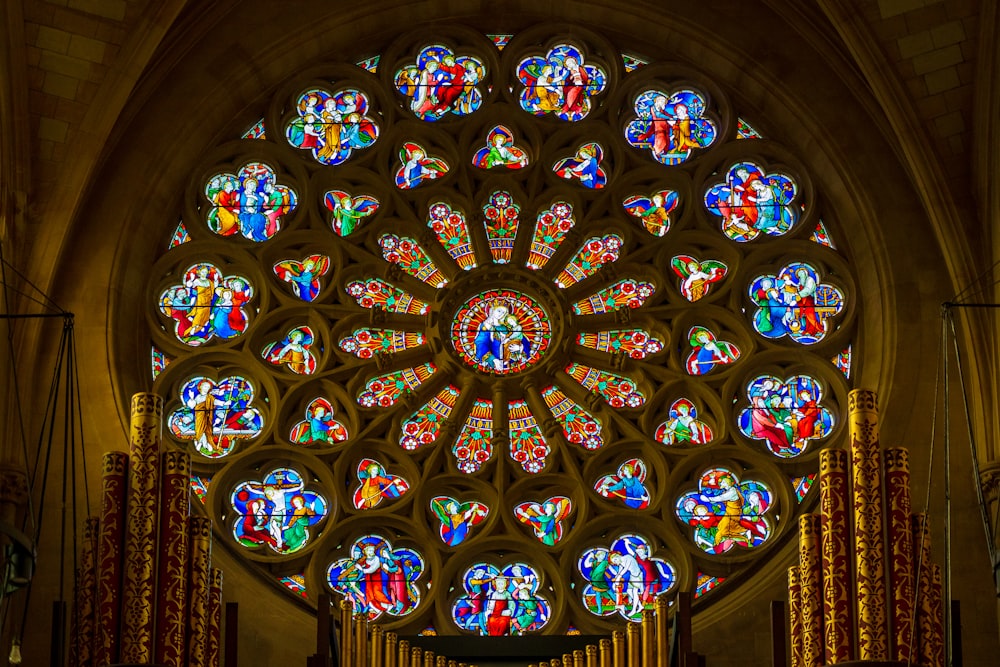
(51, 303)
(946, 432)
(978, 278)
(990, 545)
(942, 347)
(83, 449)
(67, 327)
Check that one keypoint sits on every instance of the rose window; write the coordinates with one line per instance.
(503, 335)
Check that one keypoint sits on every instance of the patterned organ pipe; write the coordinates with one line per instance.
(171, 607)
(811, 594)
(634, 646)
(404, 654)
(618, 643)
(795, 614)
(84, 610)
(591, 655)
(868, 541)
(927, 624)
(346, 645)
(390, 649)
(139, 589)
(836, 553)
(114, 467)
(214, 649)
(900, 535)
(200, 569)
(579, 658)
(936, 642)
(662, 646)
(648, 638)
(378, 639)
(605, 650)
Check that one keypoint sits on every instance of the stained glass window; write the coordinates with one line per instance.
(494, 296)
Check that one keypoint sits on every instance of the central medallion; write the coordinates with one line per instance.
(501, 331)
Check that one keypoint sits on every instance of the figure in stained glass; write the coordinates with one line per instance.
(785, 415)
(500, 151)
(671, 126)
(584, 167)
(653, 212)
(417, 167)
(546, 518)
(251, 203)
(751, 202)
(500, 331)
(303, 276)
(376, 485)
(348, 212)
(294, 351)
(331, 125)
(319, 426)
(277, 511)
(440, 82)
(726, 512)
(794, 303)
(378, 579)
(457, 518)
(559, 83)
(624, 578)
(627, 485)
(215, 415)
(707, 352)
(207, 304)
(501, 602)
(683, 427)
(696, 276)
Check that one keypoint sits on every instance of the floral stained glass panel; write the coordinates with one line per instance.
(595, 253)
(452, 233)
(528, 446)
(424, 426)
(578, 425)
(500, 217)
(627, 293)
(550, 231)
(474, 445)
(385, 390)
(617, 390)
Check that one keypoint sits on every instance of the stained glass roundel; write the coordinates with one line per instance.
(501, 331)
(507, 301)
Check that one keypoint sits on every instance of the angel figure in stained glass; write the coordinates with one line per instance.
(500, 151)
(348, 211)
(707, 352)
(376, 485)
(457, 519)
(653, 212)
(417, 167)
(545, 519)
(585, 167)
(697, 277)
(303, 276)
(627, 486)
(293, 351)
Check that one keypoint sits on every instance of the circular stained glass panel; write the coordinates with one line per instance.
(501, 332)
